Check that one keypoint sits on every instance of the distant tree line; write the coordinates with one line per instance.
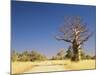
(68, 55)
(26, 56)
(35, 56)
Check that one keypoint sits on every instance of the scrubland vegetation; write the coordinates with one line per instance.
(31, 62)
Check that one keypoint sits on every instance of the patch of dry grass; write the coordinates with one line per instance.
(81, 65)
(20, 67)
(51, 65)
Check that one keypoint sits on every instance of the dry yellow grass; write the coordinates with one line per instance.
(51, 65)
(20, 67)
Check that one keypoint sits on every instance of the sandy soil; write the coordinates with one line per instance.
(51, 65)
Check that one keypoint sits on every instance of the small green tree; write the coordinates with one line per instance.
(94, 57)
(83, 55)
(68, 53)
(88, 57)
(59, 56)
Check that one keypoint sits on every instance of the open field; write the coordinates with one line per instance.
(51, 65)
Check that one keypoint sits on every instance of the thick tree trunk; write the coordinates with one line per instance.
(75, 56)
(76, 51)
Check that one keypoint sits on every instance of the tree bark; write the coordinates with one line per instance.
(76, 51)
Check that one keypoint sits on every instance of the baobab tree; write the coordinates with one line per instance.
(75, 32)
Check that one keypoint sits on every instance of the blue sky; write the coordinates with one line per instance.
(35, 25)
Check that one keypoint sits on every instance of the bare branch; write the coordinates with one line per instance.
(74, 29)
(86, 38)
(59, 38)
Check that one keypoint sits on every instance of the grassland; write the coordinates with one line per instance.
(51, 65)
